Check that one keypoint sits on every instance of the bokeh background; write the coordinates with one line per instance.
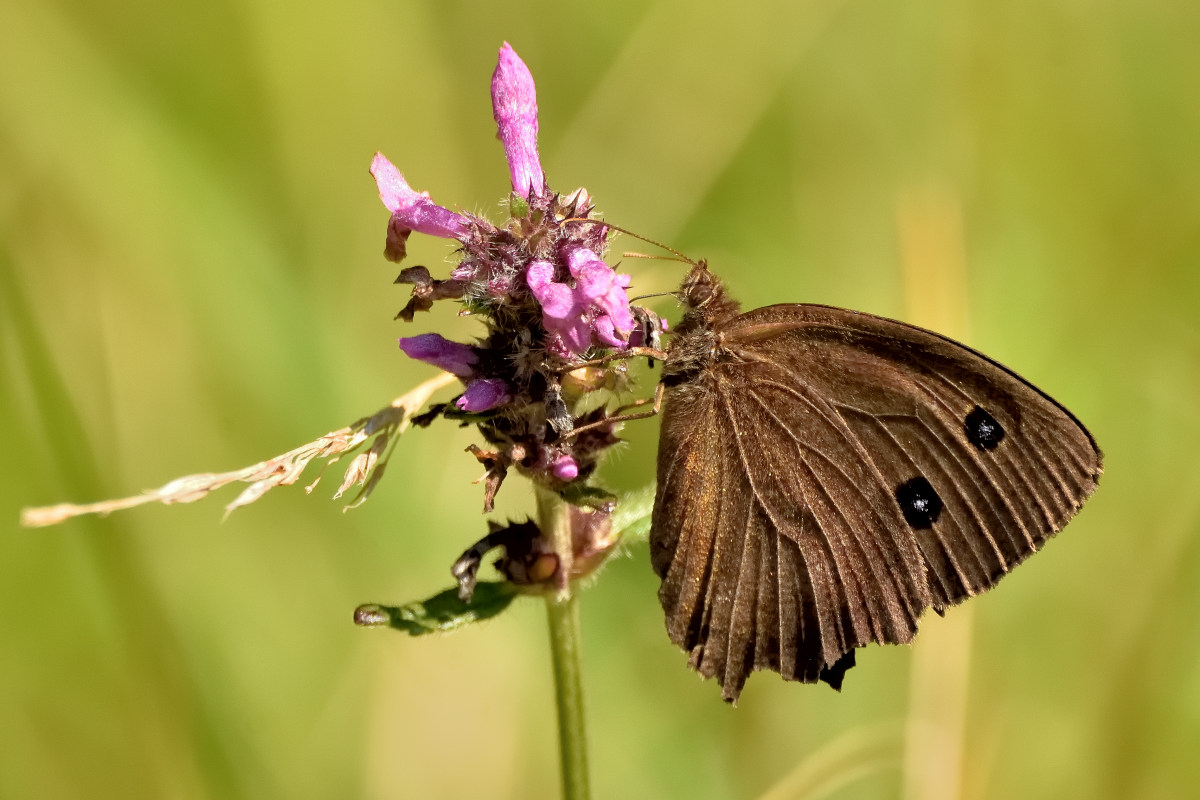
(192, 280)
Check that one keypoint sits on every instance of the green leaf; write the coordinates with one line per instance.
(518, 206)
(632, 517)
(443, 612)
(583, 494)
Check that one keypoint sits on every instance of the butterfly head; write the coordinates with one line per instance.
(707, 303)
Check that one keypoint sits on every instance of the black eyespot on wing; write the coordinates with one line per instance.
(982, 429)
(919, 502)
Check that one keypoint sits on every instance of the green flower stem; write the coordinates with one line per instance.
(562, 614)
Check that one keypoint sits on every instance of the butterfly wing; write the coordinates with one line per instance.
(828, 475)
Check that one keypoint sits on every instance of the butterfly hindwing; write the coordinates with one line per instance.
(705, 555)
(777, 551)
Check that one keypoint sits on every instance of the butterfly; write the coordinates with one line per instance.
(825, 476)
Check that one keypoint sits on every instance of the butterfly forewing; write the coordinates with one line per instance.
(824, 476)
(914, 399)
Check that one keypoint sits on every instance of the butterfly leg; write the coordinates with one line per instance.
(632, 352)
(656, 400)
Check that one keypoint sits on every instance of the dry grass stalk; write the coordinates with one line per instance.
(365, 470)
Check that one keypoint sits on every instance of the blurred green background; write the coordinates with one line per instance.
(192, 279)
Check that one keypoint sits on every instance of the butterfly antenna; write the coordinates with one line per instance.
(629, 254)
(653, 294)
(628, 232)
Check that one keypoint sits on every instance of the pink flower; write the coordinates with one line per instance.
(562, 310)
(484, 394)
(565, 468)
(514, 106)
(432, 348)
(605, 290)
(411, 210)
(595, 311)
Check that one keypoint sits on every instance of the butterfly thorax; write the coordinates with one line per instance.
(697, 341)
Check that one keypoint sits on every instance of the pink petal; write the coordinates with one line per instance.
(604, 289)
(576, 334)
(580, 257)
(565, 468)
(432, 348)
(571, 336)
(556, 299)
(413, 210)
(539, 273)
(514, 106)
(484, 395)
(616, 305)
(595, 280)
(606, 332)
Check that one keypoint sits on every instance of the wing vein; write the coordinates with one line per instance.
(878, 559)
(981, 486)
(828, 592)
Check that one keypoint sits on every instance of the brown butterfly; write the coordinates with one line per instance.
(825, 476)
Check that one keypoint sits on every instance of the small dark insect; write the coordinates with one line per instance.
(825, 476)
